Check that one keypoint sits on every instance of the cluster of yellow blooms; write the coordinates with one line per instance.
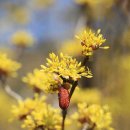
(22, 39)
(94, 116)
(41, 81)
(35, 80)
(35, 113)
(49, 78)
(90, 96)
(8, 67)
(91, 41)
(66, 67)
(25, 107)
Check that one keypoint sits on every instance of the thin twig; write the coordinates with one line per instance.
(64, 113)
(73, 88)
(9, 91)
(75, 83)
(85, 60)
(12, 93)
(20, 52)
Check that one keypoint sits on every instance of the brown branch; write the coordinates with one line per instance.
(20, 52)
(64, 113)
(75, 83)
(85, 60)
(73, 88)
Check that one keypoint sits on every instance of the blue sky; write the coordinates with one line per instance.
(44, 23)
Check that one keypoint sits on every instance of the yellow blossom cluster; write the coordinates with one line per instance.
(90, 41)
(25, 107)
(35, 80)
(66, 67)
(8, 67)
(45, 117)
(41, 81)
(95, 116)
(35, 113)
(90, 96)
(22, 39)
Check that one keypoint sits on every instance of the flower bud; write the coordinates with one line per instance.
(64, 98)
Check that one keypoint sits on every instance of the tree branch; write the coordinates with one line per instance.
(73, 88)
(85, 60)
(64, 113)
(75, 83)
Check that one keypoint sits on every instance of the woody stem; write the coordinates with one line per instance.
(85, 60)
(64, 113)
(73, 88)
(75, 83)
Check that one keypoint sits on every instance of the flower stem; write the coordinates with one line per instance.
(64, 113)
(75, 83)
(73, 88)
(20, 51)
(85, 60)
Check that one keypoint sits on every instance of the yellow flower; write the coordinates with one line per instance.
(35, 80)
(66, 67)
(90, 96)
(94, 115)
(41, 81)
(51, 82)
(90, 41)
(22, 39)
(35, 113)
(45, 117)
(8, 67)
(24, 108)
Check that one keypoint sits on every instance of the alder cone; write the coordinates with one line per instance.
(64, 99)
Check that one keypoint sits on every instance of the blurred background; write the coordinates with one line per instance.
(52, 25)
